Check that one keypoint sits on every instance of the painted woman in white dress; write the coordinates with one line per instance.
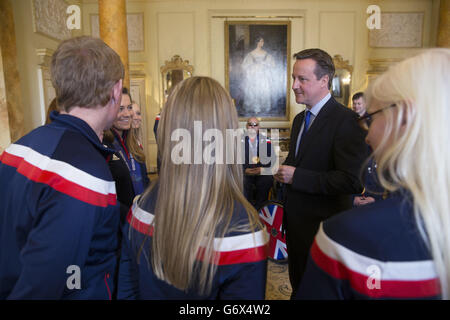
(258, 80)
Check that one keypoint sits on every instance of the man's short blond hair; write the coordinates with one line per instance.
(84, 71)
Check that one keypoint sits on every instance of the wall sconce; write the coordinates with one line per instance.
(346, 80)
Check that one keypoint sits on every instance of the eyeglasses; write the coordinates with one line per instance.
(364, 121)
(252, 124)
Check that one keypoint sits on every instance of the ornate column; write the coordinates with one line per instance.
(5, 135)
(11, 109)
(443, 39)
(113, 30)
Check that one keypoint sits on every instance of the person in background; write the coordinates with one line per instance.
(128, 163)
(155, 126)
(134, 144)
(137, 123)
(325, 157)
(256, 186)
(155, 132)
(359, 104)
(398, 248)
(372, 189)
(192, 234)
(58, 214)
(137, 116)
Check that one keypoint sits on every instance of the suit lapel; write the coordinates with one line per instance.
(296, 125)
(319, 122)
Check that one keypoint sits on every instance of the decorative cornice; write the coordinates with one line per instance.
(137, 69)
(378, 66)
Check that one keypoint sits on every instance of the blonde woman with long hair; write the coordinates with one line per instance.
(398, 248)
(192, 234)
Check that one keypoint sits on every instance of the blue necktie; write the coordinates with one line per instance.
(305, 128)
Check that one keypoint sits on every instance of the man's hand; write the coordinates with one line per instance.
(361, 200)
(285, 174)
(253, 171)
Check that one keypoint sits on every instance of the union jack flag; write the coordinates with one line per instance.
(272, 216)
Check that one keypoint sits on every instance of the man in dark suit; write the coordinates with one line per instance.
(326, 152)
(256, 184)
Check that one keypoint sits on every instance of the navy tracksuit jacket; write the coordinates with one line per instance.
(58, 215)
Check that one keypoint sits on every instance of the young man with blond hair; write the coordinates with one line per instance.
(59, 215)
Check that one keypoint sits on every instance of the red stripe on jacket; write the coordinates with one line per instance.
(248, 255)
(387, 288)
(57, 182)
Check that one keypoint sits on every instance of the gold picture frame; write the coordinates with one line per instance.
(257, 72)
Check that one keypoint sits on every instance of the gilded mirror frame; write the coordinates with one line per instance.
(341, 88)
(175, 64)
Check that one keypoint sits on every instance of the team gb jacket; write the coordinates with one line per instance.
(241, 272)
(58, 214)
(371, 252)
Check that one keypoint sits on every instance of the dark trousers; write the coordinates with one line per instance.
(256, 189)
(299, 239)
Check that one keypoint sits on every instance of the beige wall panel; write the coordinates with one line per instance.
(337, 34)
(176, 35)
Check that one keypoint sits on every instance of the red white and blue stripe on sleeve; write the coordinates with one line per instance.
(60, 175)
(243, 248)
(333, 267)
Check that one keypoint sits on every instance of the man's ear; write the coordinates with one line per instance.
(325, 80)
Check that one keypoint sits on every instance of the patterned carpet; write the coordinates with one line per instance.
(278, 286)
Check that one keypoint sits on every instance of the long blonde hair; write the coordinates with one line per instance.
(195, 202)
(133, 144)
(417, 156)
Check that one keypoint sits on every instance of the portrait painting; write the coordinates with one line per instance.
(257, 68)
